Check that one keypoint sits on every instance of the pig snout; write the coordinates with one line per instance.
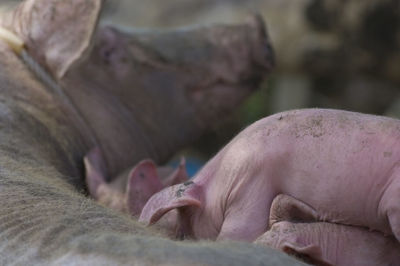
(263, 53)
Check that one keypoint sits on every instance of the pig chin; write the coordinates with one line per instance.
(218, 102)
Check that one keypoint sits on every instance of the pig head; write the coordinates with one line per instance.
(145, 94)
(165, 89)
(45, 218)
(130, 190)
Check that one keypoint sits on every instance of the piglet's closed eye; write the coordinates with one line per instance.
(182, 195)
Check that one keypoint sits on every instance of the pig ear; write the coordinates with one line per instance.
(95, 169)
(143, 182)
(180, 175)
(182, 195)
(56, 32)
(311, 254)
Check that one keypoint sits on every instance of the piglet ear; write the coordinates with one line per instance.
(182, 195)
(143, 182)
(178, 176)
(95, 169)
(311, 254)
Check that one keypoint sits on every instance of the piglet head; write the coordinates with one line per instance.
(141, 183)
(129, 191)
(144, 181)
(183, 200)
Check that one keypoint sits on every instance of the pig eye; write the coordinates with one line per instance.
(106, 55)
(116, 58)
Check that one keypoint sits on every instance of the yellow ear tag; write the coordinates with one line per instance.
(15, 42)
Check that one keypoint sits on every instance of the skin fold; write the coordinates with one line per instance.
(44, 216)
(332, 244)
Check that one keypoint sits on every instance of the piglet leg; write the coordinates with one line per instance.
(332, 244)
(319, 243)
(389, 204)
(287, 208)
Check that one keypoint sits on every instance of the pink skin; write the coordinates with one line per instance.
(129, 191)
(343, 165)
(294, 230)
(332, 244)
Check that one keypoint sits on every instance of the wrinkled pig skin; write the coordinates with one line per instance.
(44, 217)
(130, 190)
(324, 243)
(295, 230)
(344, 165)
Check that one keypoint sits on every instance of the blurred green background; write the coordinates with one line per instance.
(341, 54)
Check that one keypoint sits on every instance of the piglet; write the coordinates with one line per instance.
(345, 166)
(129, 191)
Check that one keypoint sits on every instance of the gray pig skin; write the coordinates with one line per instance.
(44, 217)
